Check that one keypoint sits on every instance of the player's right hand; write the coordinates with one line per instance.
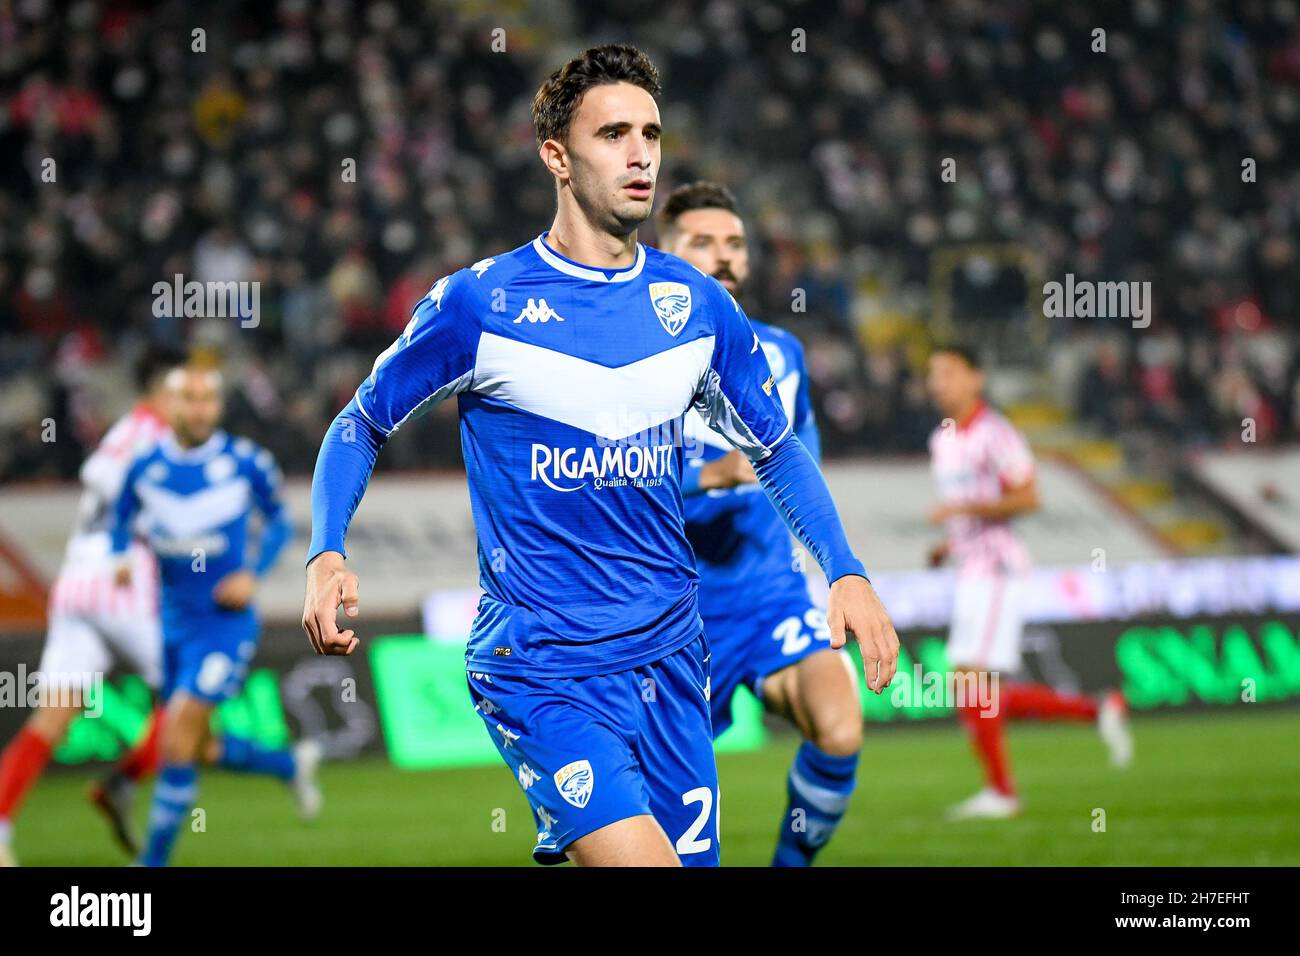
(122, 575)
(329, 584)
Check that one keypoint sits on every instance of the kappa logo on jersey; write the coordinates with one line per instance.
(482, 266)
(434, 296)
(527, 776)
(672, 302)
(538, 311)
(575, 782)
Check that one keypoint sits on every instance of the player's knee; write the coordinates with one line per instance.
(839, 734)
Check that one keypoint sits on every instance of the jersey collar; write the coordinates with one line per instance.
(192, 456)
(579, 271)
(980, 408)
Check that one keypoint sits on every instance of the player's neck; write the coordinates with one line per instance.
(969, 412)
(574, 238)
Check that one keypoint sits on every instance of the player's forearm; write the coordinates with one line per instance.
(796, 488)
(1011, 504)
(347, 458)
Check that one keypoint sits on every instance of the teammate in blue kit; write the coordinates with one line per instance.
(191, 498)
(773, 640)
(574, 358)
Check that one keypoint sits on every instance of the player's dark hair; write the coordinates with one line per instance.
(558, 98)
(156, 361)
(697, 195)
(962, 351)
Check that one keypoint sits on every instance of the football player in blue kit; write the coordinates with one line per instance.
(573, 359)
(775, 640)
(190, 499)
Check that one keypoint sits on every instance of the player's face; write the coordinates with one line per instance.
(954, 386)
(612, 156)
(195, 404)
(713, 240)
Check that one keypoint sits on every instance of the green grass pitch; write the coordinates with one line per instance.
(1213, 788)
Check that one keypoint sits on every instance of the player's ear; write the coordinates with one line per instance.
(555, 158)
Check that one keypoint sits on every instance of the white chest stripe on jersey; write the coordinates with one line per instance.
(611, 403)
(182, 515)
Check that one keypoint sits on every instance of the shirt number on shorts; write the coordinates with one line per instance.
(690, 842)
(792, 636)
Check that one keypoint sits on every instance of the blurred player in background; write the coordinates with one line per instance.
(985, 475)
(191, 498)
(92, 621)
(574, 358)
(764, 631)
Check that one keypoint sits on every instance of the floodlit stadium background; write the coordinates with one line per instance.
(908, 172)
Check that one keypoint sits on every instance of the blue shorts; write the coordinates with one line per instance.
(755, 642)
(207, 655)
(589, 751)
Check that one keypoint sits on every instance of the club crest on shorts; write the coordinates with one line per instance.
(575, 782)
(672, 302)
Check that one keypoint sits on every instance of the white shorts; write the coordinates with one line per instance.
(79, 646)
(986, 623)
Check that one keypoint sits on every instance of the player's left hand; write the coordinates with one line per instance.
(235, 591)
(855, 609)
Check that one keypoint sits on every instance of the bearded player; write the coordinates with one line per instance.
(774, 640)
(985, 474)
(573, 359)
(190, 499)
(92, 622)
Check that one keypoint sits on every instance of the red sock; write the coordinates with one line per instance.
(987, 738)
(142, 759)
(20, 765)
(1045, 703)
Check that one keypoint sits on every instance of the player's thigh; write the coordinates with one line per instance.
(987, 624)
(75, 651)
(137, 639)
(971, 628)
(675, 749)
(632, 841)
(563, 742)
(819, 695)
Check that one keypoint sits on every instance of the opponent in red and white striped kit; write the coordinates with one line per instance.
(92, 621)
(984, 471)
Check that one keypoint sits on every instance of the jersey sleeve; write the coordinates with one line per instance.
(805, 420)
(1012, 460)
(738, 396)
(266, 479)
(125, 508)
(431, 360)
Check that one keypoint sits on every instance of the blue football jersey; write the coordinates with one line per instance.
(192, 507)
(740, 541)
(572, 384)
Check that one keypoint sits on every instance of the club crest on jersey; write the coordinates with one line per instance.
(575, 782)
(672, 302)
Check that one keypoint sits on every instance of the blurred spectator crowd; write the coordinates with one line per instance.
(136, 149)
